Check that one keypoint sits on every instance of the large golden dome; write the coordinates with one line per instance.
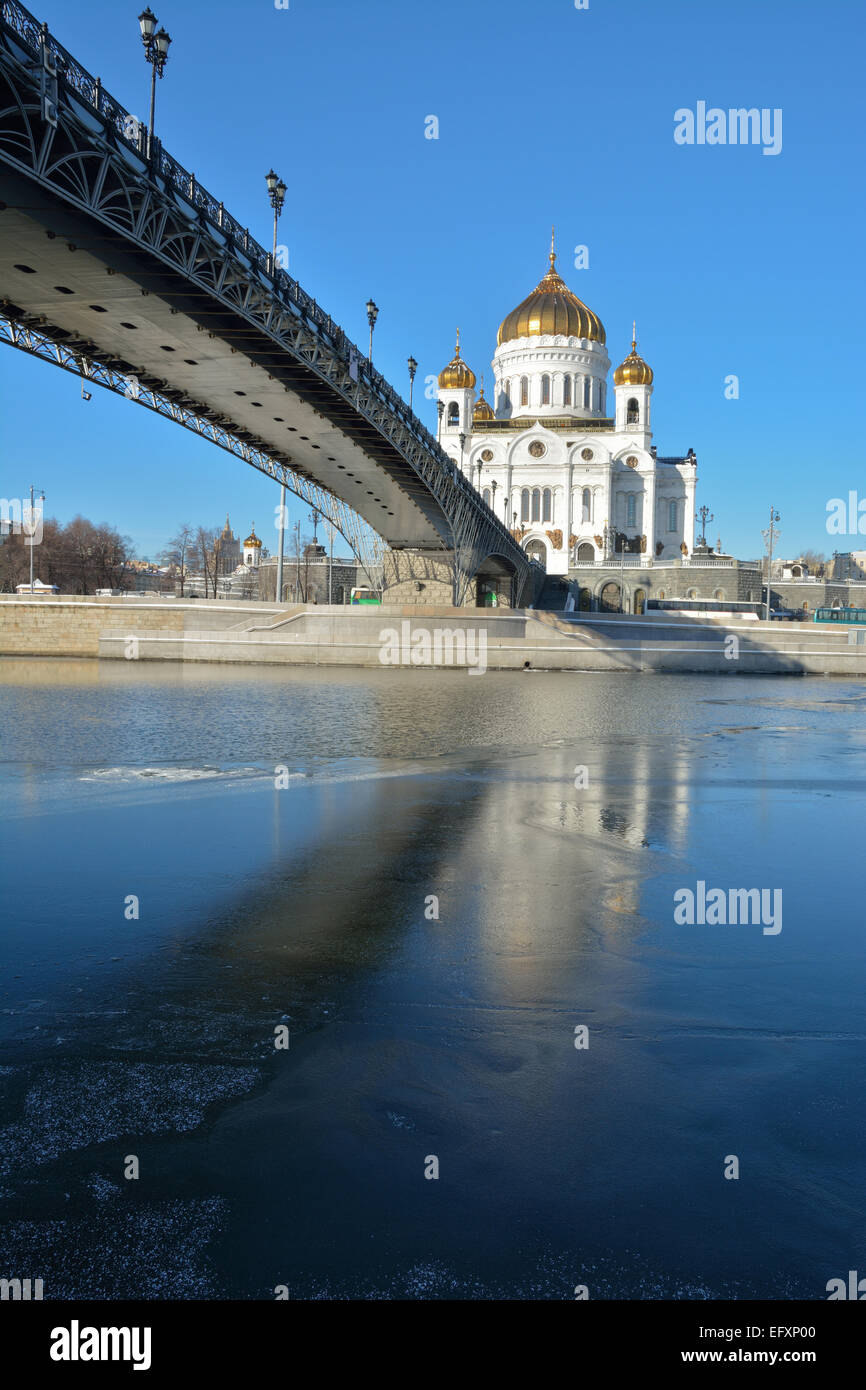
(633, 371)
(552, 309)
(253, 540)
(457, 376)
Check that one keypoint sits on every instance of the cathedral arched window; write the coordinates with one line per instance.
(536, 504)
(586, 505)
(453, 413)
(524, 390)
(602, 397)
(486, 495)
(546, 505)
(545, 390)
(566, 391)
(631, 510)
(524, 504)
(586, 393)
(672, 516)
(632, 412)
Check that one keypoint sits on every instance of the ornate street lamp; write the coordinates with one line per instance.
(462, 438)
(277, 193)
(413, 367)
(493, 497)
(372, 315)
(440, 408)
(156, 45)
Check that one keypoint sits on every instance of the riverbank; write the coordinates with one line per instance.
(411, 637)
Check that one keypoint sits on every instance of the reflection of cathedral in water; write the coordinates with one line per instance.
(580, 854)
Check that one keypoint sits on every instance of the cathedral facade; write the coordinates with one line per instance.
(568, 466)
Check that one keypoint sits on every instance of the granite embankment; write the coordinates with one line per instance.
(467, 639)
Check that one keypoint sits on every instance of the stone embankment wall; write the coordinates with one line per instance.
(488, 639)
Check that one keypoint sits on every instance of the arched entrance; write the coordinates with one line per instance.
(536, 550)
(610, 600)
(584, 602)
(639, 600)
(586, 554)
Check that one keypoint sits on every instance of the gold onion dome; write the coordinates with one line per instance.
(253, 540)
(457, 376)
(633, 371)
(551, 309)
(483, 409)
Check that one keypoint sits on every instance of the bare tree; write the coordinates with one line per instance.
(205, 543)
(815, 561)
(181, 546)
(78, 557)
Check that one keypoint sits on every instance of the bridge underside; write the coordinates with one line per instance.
(109, 304)
(113, 256)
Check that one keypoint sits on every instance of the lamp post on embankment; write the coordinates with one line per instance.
(771, 535)
(30, 529)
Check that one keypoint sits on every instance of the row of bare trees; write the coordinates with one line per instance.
(193, 551)
(79, 557)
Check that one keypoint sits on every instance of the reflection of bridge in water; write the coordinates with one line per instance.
(121, 268)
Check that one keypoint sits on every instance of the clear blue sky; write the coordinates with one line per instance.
(731, 261)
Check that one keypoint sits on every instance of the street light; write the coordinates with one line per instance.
(705, 515)
(31, 527)
(413, 367)
(493, 498)
(277, 193)
(770, 536)
(372, 315)
(462, 438)
(156, 45)
(440, 407)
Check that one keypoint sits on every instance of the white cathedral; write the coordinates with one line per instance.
(573, 484)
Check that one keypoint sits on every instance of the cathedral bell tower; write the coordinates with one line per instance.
(457, 396)
(633, 384)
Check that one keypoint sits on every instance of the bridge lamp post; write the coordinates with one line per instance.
(372, 315)
(277, 193)
(462, 439)
(156, 45)
(493, 497)
(440, 407)
(413, 367)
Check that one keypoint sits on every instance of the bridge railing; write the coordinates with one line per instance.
(164, 167)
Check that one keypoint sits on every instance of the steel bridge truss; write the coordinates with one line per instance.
(365, 544)
(49, 106)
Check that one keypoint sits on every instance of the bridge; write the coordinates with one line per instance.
(118, 266)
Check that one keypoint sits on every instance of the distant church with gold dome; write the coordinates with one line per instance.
(573, 473)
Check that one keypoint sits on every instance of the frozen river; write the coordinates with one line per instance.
(438, 886)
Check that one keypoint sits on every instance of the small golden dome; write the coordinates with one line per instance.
(633, 371)
(552, 309)
(253, 540)
(483, 409)
(457, 376)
